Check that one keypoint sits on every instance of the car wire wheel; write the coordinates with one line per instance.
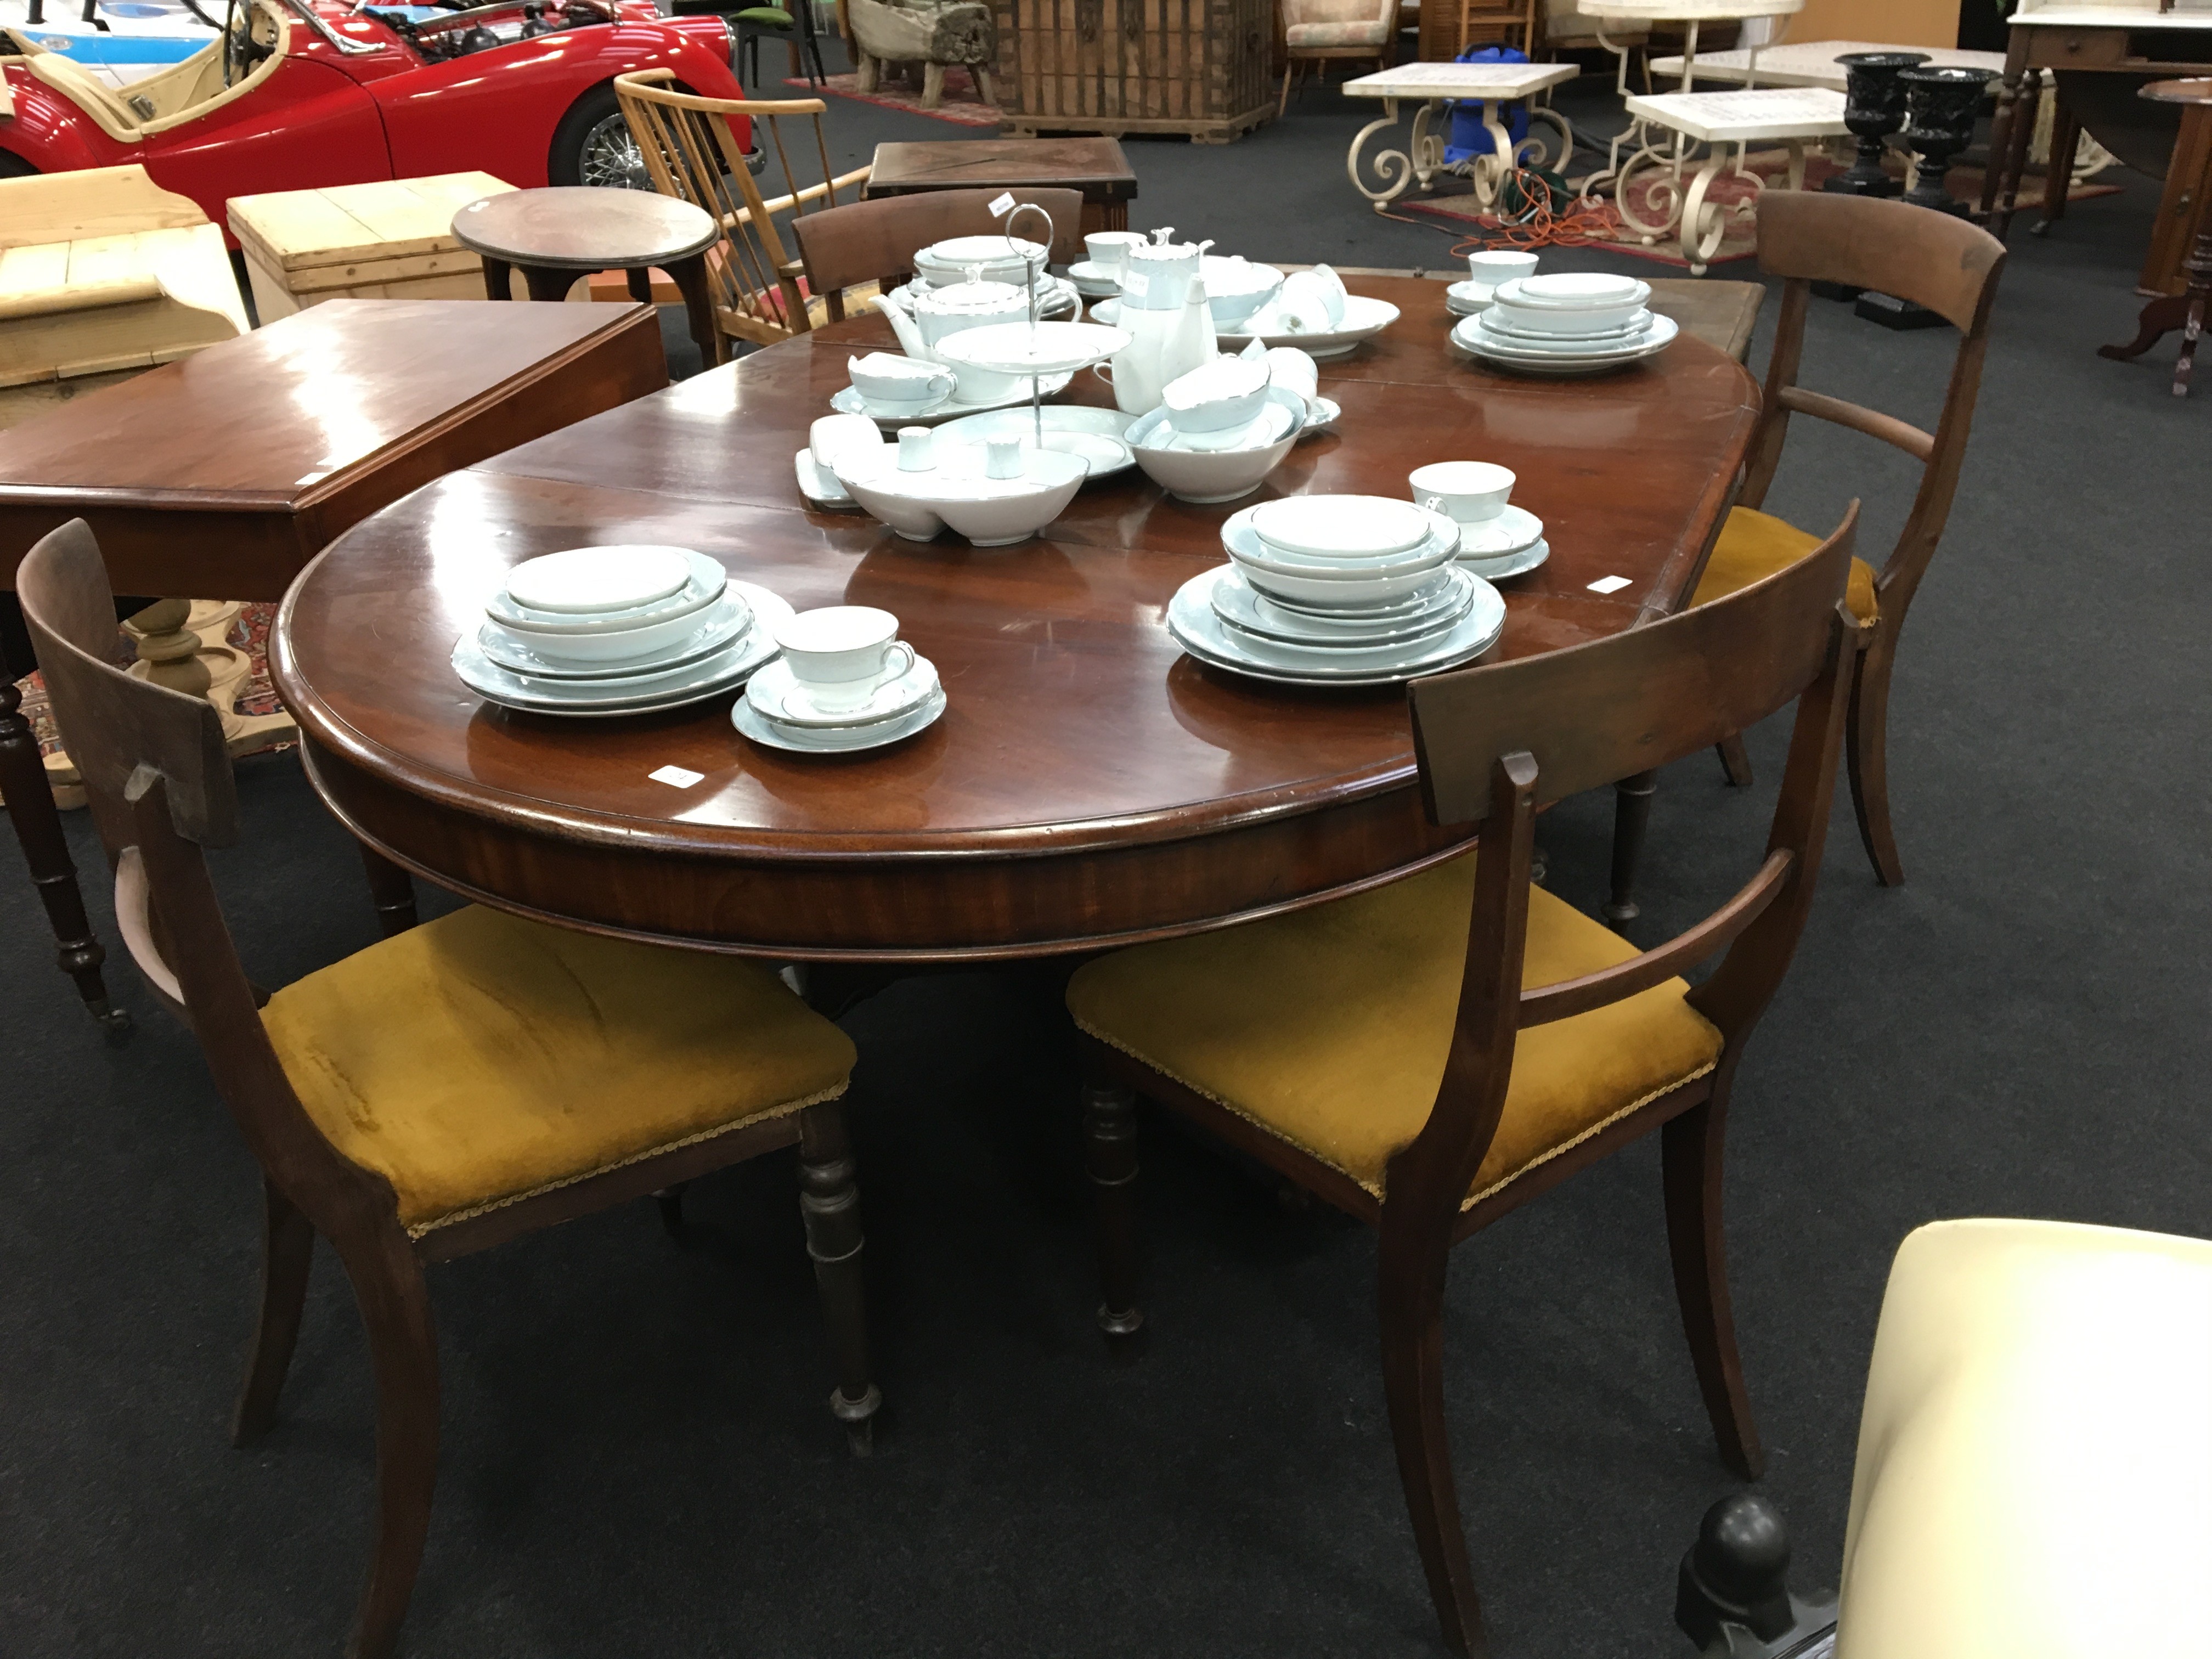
(611, 158)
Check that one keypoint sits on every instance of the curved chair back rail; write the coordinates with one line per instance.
(691, 153)
(843, 247)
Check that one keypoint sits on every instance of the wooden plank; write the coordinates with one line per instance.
(296, 227)
(349, 224)
(87, 204)
(27, 270)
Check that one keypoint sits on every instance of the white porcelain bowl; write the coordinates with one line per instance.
(708, 583)
(1524, 306)
(1348, 589)
(989, 512)
(1206, 477)
(1225, 392)
(614, 644)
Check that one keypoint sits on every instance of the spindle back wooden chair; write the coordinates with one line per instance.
(692, 152)
(1430, 1054)
(470, 1080)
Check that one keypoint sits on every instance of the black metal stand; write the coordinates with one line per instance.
(1732, 1596)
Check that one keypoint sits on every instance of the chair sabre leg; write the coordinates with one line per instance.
(1110, 1152)
(1632, 817)
(829, 1204)
(670, 1201)
(1735, 760)
(1866, 751)
(37, 824)
(403, 1347)
(1411, 1304)
(287, 1253)
(1689, 1152)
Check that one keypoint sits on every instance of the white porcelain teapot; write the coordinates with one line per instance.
(1158, 274)
(941, 312)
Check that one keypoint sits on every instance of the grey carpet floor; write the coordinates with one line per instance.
(637, 1457)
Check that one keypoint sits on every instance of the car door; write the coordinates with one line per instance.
(310, 124)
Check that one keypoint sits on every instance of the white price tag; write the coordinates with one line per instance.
(1002, 204)
(1135, 283)
(1608, 584)
(677, 776)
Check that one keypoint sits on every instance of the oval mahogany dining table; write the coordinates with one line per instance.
(1088, 785)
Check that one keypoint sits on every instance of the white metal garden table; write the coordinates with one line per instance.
(1434, 84)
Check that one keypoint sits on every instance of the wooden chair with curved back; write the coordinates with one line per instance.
(459, 1085)
(1430, 1054)
(1948, 265)
(692, 154)
(845, 247)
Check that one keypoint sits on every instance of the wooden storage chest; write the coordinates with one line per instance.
(393, 239)
(1194, 67)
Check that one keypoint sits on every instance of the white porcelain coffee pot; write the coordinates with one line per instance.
(1158, 274)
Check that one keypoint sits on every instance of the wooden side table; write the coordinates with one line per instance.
(1095, 166)
(558, 234)
(227, 474)
(2183, 311)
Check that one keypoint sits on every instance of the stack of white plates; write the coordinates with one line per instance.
(617, 630)
(777, 711)
(1337, 590)
(1567, 323)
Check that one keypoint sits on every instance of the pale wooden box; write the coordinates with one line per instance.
(393, 239)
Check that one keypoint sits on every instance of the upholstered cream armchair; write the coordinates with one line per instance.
(1316, 29)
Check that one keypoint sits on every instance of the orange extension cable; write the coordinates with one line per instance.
(1581, 222)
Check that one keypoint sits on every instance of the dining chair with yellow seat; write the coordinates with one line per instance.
(1946, 265)
(1430, 1054)
(466, 1081)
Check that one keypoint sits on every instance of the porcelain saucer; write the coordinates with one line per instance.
(1498, 568)
(1464, 298)
(1098, 435)
(1511, 530)
(846, 401)
(1237, 603)
(777, 693)
(819, 485)
(833, 740)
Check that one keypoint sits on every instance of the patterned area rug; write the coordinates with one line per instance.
(962, 104)
(1741, 238)
(249, 632)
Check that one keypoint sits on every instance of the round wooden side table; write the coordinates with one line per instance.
(2186, 310)
(556, 234)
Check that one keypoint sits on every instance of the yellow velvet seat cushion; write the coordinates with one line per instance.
(1753, 545)
(480, 1058)
(1330, 1027)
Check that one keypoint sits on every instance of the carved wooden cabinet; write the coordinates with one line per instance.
(1198, 67)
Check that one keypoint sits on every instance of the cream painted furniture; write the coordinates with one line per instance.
(2034, 1471)
(1316, 31)
(1620, 24)
(1786, 115)
(103, 274)
(391, 239)
(1811, 63)
(1434, 84)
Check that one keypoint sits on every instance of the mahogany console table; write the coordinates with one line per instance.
(224, 474)
(1089, 785)
(1096, 168)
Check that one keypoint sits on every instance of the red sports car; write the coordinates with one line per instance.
(297, 95)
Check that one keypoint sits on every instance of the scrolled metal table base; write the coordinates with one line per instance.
(1423, 159)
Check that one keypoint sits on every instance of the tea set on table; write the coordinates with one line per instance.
(952, 431)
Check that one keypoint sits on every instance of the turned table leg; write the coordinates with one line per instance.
(690, 277)
(39, 828)
(498, 279)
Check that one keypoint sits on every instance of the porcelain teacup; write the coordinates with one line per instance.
(1110, 248)
(892, 385)
(1289, 366)
(1307, 303)
(1466, 492)
(840, 655)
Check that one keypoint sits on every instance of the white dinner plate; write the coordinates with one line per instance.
(1249, 612)
(718, 627)
(818, 485)
(815, 740)
(593, 581)
(777, 693)
(1194, 626)
(1437, 593)
(1495, 323)
(1032, 347)
(1240, 540)
(1098, 435)
(1552, 366)
(846, 401)
(1364, 318)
